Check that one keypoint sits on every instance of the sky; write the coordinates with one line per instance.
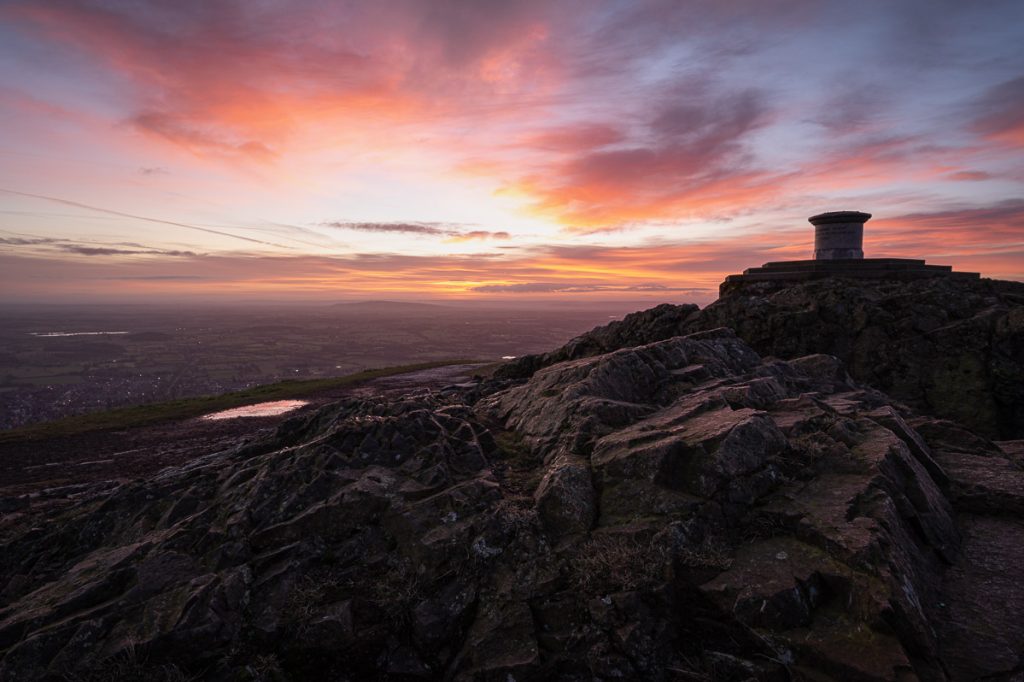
(479, 150)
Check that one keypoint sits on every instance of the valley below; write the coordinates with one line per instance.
(59, 361)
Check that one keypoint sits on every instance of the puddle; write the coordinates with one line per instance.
(46, 334)
(268, 409)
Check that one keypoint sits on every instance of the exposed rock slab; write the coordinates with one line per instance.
(981, 633)
(680, 509)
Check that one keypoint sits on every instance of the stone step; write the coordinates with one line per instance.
(893, 262)
(851, 273)
(846, 265)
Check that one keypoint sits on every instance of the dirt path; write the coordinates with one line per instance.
(36, 466)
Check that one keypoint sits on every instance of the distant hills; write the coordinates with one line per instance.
(389, 306)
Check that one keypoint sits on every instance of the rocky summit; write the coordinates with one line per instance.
(816, 482)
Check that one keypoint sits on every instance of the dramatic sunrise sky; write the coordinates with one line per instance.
(518, 148)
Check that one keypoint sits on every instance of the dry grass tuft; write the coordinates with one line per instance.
(618, 562)
(516, 515)
(265, 668)
(129, 665)
(397, 590)
(706, 555)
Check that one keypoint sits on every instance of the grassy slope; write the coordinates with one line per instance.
(185, 408)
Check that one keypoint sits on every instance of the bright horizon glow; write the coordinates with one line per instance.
(481, 150)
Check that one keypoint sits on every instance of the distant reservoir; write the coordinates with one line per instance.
(267, 409)
(75, 333)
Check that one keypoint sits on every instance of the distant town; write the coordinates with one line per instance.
(60, 361)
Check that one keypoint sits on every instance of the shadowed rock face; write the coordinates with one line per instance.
(683, 509)
(948, 347)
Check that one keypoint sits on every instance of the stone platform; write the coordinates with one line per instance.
(899, 269)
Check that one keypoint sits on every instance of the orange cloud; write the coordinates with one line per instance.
(577, 138)
(226, 82)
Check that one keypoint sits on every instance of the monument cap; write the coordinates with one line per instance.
(839, 217)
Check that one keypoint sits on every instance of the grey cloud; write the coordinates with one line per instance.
(970, 176)
(157, 278)
(1001, 109)
(852, 108)
(68, 246)
(431, 229)
(449, 230)
(108, 251)
(18, 241)
(483, 234)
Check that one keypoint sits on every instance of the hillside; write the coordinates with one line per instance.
(952, 348)
(663, 498)
(389, 307)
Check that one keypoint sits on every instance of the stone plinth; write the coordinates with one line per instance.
(839, 234)
(784, 273)
(838, 252)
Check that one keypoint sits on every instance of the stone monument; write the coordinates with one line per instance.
(839, 234)
(838, 252)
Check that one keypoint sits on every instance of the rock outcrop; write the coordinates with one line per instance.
(949, 347)
(636, 329)
(679, 509)
(953, 348)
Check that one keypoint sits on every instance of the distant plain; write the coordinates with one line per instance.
(58, 361)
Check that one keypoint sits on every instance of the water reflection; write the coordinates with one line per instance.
(75, 333)
(268, 409)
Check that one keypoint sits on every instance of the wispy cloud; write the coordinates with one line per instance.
(453, 233)
(999, 114)
(159, 221)
(27, 241)
(159, 278)
(690, 157)
(472, 235)
(111, 251)
(182, 133)
(958, 230)
(971, 176)
(52, 244)
(429, 229)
